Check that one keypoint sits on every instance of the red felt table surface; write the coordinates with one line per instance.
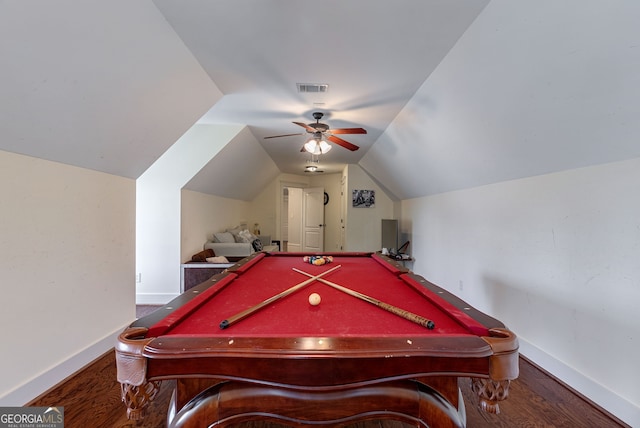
(338, 314)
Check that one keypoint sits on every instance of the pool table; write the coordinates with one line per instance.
(361, 353)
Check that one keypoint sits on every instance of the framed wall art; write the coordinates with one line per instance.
(363, 198)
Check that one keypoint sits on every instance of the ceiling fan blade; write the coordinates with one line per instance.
(278, 136)
(305, 126)
(347, 145)
(348, 131)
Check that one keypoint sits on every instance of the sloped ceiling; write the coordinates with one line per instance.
(242, 167)
(373, 54)
(453, 94)
(101, 85)
(531, 88)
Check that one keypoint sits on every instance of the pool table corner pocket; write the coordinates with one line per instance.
(136, 392)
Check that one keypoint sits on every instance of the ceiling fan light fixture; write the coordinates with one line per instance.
(311, 146)
(324, 146)
(316, 147)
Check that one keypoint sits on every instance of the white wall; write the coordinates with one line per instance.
(158, 226)
(203, 215)
(66, 270)
(555, 257)
(364, 225)
(263, 209)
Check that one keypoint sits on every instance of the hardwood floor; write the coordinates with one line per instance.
(91, 398)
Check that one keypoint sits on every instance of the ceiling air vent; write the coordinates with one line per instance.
(313, 87)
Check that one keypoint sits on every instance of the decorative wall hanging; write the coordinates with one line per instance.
(364, 198)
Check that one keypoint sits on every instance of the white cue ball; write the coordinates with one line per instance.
(314, 299)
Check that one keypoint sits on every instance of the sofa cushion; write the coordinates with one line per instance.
(224, 237)
(218, 259)
(230, 249)
(246, 237)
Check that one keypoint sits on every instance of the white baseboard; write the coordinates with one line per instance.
(50, 378)
(154, 298)
(603, 397)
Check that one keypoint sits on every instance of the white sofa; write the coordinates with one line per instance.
(239, 244)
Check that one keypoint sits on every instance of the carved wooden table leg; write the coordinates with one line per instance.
(490, 392)
(137, 398)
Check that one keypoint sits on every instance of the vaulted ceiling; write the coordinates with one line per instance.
(453, 94)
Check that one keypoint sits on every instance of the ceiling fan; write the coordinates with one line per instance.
(321, 131)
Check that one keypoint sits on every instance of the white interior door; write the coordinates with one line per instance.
(313, 219)
(284, 218)
(343, 215)
(294, 223)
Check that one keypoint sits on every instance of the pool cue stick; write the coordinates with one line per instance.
(241, 315)
(387, 307)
